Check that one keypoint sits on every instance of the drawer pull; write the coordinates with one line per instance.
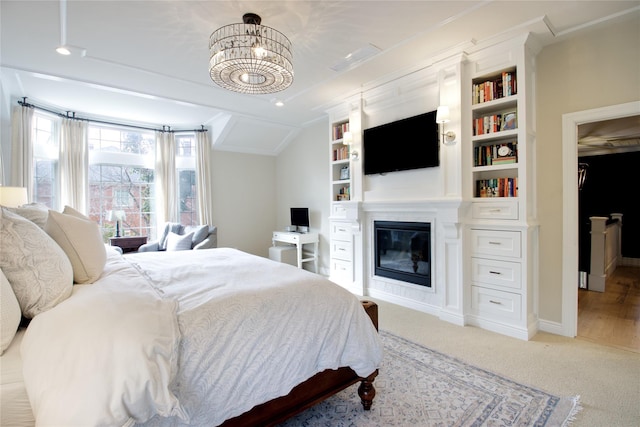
(495, 243)
(495, 210)
(494, 272)
(342, 249)
(495, 302)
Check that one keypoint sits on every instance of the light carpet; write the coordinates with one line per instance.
(417, 386)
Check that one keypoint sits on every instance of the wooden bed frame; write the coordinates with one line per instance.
(312, 391)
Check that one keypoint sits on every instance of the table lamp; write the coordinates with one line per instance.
(12, 197)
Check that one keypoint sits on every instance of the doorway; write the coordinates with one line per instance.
(570, 237)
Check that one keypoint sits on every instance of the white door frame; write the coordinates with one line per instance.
(570, 240)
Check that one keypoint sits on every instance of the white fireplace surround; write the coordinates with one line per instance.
(445, 296)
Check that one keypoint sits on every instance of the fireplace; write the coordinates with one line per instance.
(403, 251)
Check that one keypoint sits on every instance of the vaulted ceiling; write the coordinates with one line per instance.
(145, 62)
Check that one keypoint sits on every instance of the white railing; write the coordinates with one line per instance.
(606, 238)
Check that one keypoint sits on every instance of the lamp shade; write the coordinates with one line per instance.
(12, 197)
(442, 114)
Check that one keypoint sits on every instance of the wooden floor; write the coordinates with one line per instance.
(612, 317)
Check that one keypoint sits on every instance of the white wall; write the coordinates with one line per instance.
(244, 198)
(302, 180)
(595, 69)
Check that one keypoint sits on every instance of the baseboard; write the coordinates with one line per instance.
(404, 302)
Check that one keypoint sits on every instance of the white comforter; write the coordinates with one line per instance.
(193, 337)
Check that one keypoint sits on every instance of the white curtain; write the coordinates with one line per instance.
(74, 164)
(165, 178)
(204, 177)
(22, 149)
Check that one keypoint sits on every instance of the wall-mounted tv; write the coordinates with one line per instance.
(410, 143)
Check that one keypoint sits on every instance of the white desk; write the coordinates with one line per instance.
(300, 239)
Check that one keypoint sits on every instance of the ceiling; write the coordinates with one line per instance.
(145, 62)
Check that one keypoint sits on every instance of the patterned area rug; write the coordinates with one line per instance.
(421, 387)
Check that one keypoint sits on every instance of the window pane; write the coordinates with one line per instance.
(185, 145)
(188, 197)
(108, 139)
(115, 187)
(122, 182)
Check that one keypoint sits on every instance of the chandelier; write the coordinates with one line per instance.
(250, 58)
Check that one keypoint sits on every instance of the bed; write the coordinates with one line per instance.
(213, 337)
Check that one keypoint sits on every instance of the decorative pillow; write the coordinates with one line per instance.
(200, 232)
(37, 268)
(9, 314)
(81, 240)
(170, 227)
(34, 212)
(176, 242)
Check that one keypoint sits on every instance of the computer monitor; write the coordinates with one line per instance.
(300, 218)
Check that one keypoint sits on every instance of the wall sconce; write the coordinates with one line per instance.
(13, 197)
(347, 139)
(442, 117)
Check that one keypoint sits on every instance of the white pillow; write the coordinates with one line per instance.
(176, 242)
(37, 268)
(34, 212)
(81, 240)
(9, 314)
(200, 232)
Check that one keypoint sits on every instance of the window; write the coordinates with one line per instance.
(45, 160)
(121, 174)
(186, 165)
(121, 177)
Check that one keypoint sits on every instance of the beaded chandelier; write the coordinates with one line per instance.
(250, 58)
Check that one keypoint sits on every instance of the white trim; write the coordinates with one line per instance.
(570, 123)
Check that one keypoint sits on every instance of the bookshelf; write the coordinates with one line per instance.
(502, 232)
(340, 162)
(495, 134)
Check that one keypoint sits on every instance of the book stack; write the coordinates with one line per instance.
(499, 87)
(341, 153)
(497, 187)
(339, 130)
(487, 124)
(495, 154)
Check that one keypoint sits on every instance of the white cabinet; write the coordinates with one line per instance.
(501, 236)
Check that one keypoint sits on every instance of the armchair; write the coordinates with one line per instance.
(175, 237)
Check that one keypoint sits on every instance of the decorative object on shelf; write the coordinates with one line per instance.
(442, 117)
(13, 197)
(509, 121)
(250, 58)
(347, 139)
(344, 173)
(118, 216)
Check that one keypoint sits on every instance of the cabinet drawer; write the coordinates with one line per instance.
(342, 270)
(341, 250)
(341, 231)
(496, 242)
(287, 237)
(504, 209)
(338, 211)
(495, 304)
(494, 272)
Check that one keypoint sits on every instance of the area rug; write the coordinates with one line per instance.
(419, 387)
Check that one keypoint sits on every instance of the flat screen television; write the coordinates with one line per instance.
(300, 217)
(411, 143)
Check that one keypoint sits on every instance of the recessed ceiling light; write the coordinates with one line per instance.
(279, 103)
(62, 50)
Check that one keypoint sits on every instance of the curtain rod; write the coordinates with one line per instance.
(72, 115)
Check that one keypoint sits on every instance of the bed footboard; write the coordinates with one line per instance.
(314, 390)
